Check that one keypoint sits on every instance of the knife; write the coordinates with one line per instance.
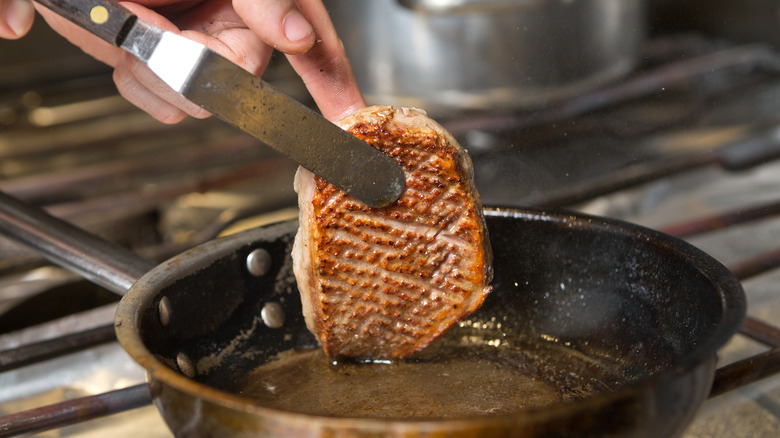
(243, 100)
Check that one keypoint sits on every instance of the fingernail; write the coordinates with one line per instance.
(19, 15)
(296, 27)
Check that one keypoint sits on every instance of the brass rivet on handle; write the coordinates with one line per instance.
(98, 14)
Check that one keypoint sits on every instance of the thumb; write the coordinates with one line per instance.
(16, 18)
(279, 23)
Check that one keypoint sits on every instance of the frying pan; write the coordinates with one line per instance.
(622, 322)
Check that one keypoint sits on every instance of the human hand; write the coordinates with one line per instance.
(16, 18)
(243, 31)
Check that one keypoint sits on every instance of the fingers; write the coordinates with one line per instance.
(136, 83)
(16, 18)
(277, 22)
(133, 80)
(90, 44)
(325, 68)
(287, 25)
(141, 87)
(225, 35)
(322, 64)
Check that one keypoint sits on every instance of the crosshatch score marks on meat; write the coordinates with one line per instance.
(383, 283)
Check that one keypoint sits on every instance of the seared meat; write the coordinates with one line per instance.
(383, 283)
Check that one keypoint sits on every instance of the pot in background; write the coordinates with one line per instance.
(445, 55)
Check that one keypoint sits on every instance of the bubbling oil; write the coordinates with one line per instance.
(442, 382)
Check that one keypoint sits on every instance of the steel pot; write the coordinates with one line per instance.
(446, 55)
(651, 307)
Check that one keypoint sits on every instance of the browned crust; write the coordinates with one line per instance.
(384, 283)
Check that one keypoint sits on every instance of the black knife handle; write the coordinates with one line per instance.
(106, 19)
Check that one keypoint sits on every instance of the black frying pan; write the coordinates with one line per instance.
(618, 325)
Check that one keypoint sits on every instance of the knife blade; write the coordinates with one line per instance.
(245, 101)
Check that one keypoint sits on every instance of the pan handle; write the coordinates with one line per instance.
(104, 263)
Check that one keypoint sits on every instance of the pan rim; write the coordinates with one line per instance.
(733, 305)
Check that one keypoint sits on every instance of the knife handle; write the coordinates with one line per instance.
(106, 19)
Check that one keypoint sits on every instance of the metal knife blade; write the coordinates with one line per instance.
(244, 101)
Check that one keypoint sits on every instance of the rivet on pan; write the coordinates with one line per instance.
(185, 365)
(258, 262)
(273, 315)
(164, 311)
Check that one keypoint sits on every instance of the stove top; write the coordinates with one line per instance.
(693, 133)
